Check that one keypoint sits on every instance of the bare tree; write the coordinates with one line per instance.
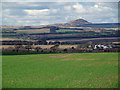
(38, 49)
(54, 48)
(28, 47)
(17, 47)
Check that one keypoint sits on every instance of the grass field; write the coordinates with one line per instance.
(77, 70)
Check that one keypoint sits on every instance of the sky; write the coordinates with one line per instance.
(44, 13)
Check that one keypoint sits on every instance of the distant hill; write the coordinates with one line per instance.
(84, 23)
(73, 23)
(77, 22)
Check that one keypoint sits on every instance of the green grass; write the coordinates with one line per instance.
(65, 30)
(77, 70)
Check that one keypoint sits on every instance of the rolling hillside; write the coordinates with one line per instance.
(73, 23)
(84, 23)
(75, 29)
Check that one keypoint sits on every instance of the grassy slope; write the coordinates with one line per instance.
(78, 70)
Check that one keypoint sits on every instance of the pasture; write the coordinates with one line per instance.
(74, 70)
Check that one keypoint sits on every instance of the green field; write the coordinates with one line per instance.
(77, 70)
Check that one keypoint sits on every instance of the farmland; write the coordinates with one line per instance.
(56, 32)
(76, 70)
(29, 31)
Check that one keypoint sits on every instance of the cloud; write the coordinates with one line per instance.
(60, 1)
(79, 8)
(37, 12)
(96, 6)
(67, 8)
(41, 13)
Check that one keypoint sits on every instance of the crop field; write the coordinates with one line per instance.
(7, 39)
(42, 46)
(67, 30)
(30, 31)
(70, 70)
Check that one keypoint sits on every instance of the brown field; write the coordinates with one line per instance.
(35, 31)
(42, 46)
(17, 27)
(9, 39)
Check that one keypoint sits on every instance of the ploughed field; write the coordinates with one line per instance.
(74, 70)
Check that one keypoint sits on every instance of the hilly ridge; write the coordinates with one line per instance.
(73, 23)
(84, 23)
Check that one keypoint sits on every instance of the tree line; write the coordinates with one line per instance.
(82, 48)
